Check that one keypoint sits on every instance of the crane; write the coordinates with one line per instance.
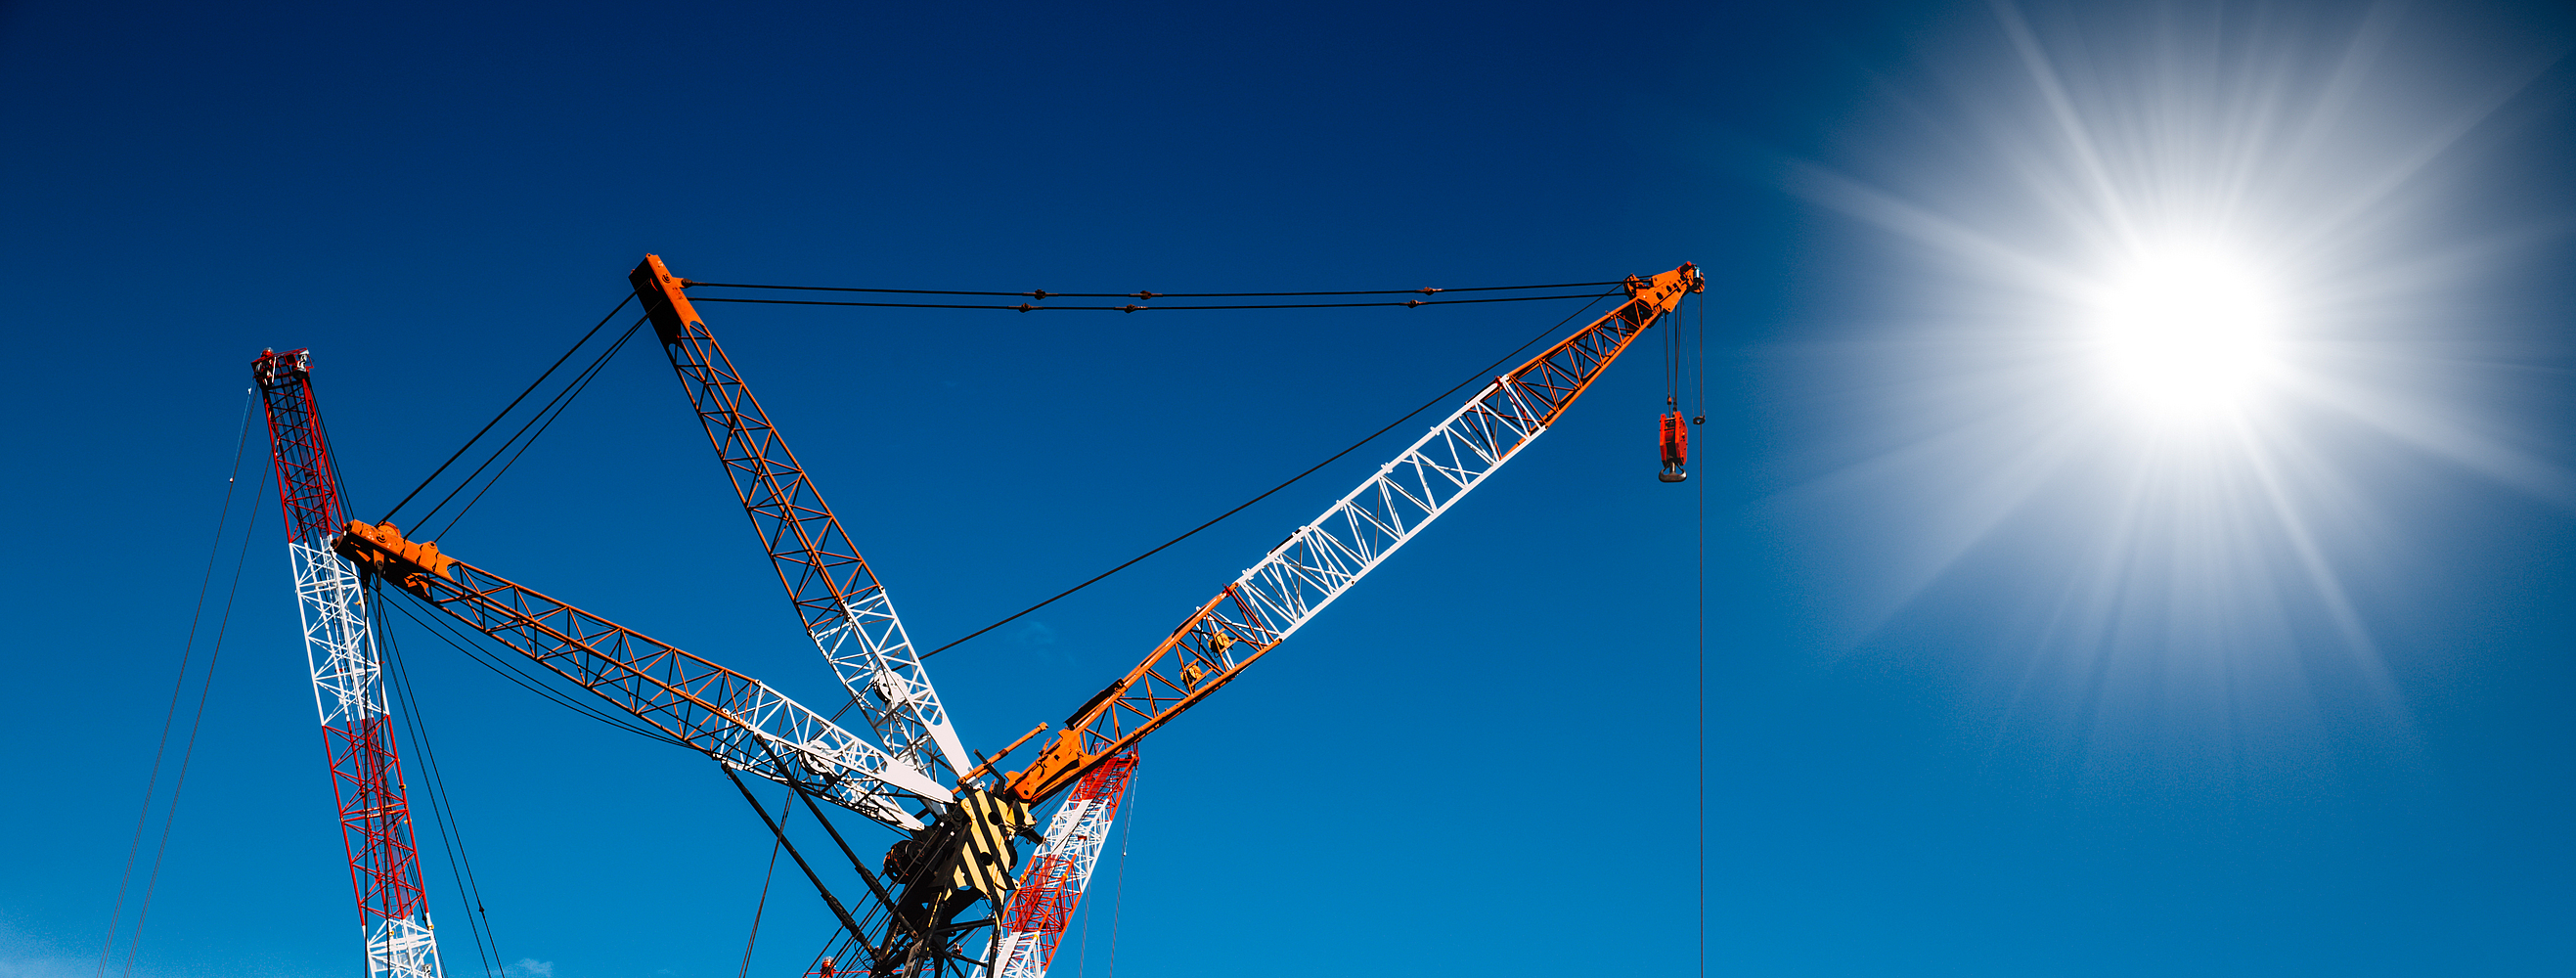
(348, 680)
(1292, 583)
(959, 847)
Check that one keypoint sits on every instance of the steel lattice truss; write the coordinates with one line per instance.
(1034, 922)
(1320, 562)
(842, 605)
(738, 720)
(348, 683)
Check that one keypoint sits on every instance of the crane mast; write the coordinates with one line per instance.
(837, 596)
(348, 680)
(1033, 922)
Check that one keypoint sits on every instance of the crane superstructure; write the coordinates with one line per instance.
(348, 679)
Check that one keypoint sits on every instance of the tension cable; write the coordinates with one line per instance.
(187, 653)
(1274, 490)
(1133, 307)
(1142, 294)
(505, 410)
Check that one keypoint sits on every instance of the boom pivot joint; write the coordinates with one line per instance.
(381, 551)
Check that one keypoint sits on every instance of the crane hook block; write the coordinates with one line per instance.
(1674, 438)
(381, 550)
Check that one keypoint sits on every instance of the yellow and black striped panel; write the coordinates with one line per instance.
(986, 860)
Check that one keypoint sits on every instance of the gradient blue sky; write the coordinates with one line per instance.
(2000, 680)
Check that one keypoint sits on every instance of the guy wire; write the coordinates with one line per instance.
(223, 518)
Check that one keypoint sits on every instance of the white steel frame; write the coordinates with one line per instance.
(740, 721)
(348, 687)
(1323, 559)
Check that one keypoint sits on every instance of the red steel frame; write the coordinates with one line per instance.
(1050, 894)
(366, 768)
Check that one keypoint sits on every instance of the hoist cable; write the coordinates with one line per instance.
(187, 653)
(1145, 293)
(1274, 490)
(1131, 307)
(1699, 685)
(505, 410)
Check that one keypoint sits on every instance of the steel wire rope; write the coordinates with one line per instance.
(1274, 490)
(187, 653)
(505, 410)
(768, 875)
(1132, 307)
(1142, 293)
(563, 399)
(442, 803)
(170, 812)
(562, 402)
(531, 683)
(1699, 679)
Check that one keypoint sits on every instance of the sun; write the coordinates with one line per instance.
(2186, 332)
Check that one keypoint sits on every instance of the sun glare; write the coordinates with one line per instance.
(2176, 296)
(2186, 333)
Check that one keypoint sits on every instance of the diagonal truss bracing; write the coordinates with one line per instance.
(838, 599)
(1319, 562)
(738, 720)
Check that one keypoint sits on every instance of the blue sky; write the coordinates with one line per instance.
(2004, 675)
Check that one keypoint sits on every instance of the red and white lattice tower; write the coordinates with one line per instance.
(348, 680)
(1033, 924)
